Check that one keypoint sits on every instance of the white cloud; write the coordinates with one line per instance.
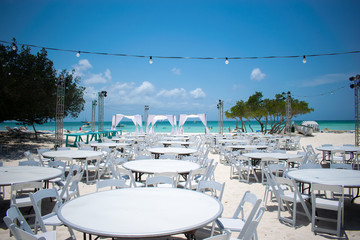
(176, 92)
(145, 88)
(257, 75)
(108, 74)
(176, 71)
(81, 67)
(95, 78)
(197, 93)
(326, 79)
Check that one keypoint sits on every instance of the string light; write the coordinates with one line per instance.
(323, 94)
(151, 61)
(226, 61)
(179, 57)
(14, 47)
(304, 59)
(78, 54)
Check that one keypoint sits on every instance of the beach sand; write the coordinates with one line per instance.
(269, 228)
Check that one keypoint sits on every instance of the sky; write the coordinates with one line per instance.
(189, 28)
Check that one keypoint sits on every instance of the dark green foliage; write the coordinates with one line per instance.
(29, 85)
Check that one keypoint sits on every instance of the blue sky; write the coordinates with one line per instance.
(185, 28)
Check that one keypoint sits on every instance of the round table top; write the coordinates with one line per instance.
(161, 165)
(140, 212)
(109, 144)
(343, 177)
(74, 154)
(21, 174)
(248, 147)
(172, 150)
(339, 148)
(176, 138)
(175, 142)
(280, 156)
(233, 141)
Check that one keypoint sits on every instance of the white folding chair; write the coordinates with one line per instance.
(160, 181)
(19, 227)
(110, 183)
(322, 198)
(20, 193)
(241, 223)
(50, 219)
(193, 179)
(293, 196)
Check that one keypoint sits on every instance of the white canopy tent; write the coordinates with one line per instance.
(184, 117)
(152, 119)
(312, 124)
(136, 119)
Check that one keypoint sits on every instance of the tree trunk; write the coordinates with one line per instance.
(36, 136)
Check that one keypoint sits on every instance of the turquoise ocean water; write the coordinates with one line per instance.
(189, 127)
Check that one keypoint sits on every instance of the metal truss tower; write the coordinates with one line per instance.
(287, 97)
(93, 115)
(220, 107)
(101, 110)
(59, 118)
(356, 85)
(146, 114)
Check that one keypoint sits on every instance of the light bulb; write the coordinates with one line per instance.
(14, 47)
(304, 59)
(78, 54)
(150, 61)
(226, 61)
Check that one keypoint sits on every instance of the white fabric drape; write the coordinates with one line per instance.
(152, 119)
(136, 119)
(184, 117)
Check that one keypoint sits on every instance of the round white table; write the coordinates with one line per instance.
(279, 156)
(329, 149)
(171, 150)
(140, 212)
(247, 147)
(74, 154)
(139, 167)
(21, 174)
(343, 177)
(169, 143)
(222, 141)
(109, 145)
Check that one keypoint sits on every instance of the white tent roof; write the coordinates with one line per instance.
(136, 119)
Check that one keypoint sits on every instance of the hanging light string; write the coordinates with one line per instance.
(323, 94)
(174, 57)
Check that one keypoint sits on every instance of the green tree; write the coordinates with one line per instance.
(29, 85)
(267, 112)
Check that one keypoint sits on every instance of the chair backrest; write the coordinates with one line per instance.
(24, 235)
(251, 229)
(30, 162)
(59, 165)
(36, 199)
(248, 198)
(165, 156)
(195, 175)
(27, 155)
(14, 216)
(71, 187)
(310, 165)
(341, 166)
(86, 148)
(20, 193)
(216, 189)
(112, 183)
(156, 180)
(63, 148)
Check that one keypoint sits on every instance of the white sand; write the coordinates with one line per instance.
(269, 227)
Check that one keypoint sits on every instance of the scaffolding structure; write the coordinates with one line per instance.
(146, 113)
(93, 115)
(287, 97)
(102, 95)
(59, 118)
(356, 85)
(220, 107)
